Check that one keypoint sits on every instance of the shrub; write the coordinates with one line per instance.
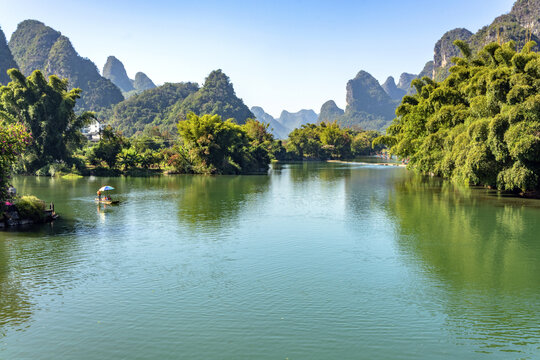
(30, 207)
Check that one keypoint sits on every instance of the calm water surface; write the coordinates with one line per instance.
(314, 261)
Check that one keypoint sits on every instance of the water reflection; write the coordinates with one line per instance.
(211, 203)
(318, 171)
(485, 256)
(15, 307)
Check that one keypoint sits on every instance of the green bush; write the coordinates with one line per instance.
(30, 207)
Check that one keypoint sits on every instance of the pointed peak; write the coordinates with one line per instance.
(114, 70)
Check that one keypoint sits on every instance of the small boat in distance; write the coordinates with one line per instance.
(103, 197)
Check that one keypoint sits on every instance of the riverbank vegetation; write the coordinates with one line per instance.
(200, 144)
(479, 126)
(46, 109)
(329, 141)
(14, 138)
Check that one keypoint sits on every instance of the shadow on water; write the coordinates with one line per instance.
(483, 249)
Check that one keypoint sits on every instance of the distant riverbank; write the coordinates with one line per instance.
(366, 163)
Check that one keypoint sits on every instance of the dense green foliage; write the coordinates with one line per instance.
(520, 26)
(46, 108)
(210, 145)
(39, 47)
(115, 153)
(164, 106)
(149, 109)
(326, 141)
(216, 97)
(30, 207)
(481, 125)
(14, 138)
(6, 59)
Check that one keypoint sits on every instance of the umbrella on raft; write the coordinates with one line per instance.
(106, 188)
(106, 199)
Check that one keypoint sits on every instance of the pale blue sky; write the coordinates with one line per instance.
(279, 54)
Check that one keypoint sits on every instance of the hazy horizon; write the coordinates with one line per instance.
(280, 56)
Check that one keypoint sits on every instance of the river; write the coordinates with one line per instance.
(313, 261)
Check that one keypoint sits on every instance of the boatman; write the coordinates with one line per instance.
(99, 195)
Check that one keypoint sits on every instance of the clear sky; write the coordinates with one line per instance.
(279, 54)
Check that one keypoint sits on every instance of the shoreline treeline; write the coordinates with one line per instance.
(481, 125)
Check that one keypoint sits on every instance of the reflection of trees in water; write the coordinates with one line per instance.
(309, 171)
(486, 252)
(15, 307)
(367, 193)
(214, 202)
(32, 263)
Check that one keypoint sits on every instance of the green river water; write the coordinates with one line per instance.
(313, 261)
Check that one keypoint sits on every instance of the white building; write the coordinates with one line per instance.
(93, 131)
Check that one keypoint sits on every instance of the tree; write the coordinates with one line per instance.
(14, 138)
(46, 109)
(214, 146)
(108, 148)
(326, 141)
(481, 125)
(128, 158)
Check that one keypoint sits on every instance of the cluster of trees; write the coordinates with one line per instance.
(116, 152)
(206, 145)
(210, 145)
(481, 125)
(326, 141)
(46, 109)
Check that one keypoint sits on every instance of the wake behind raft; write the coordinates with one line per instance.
(104, 197)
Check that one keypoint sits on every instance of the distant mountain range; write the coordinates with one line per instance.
(114, 70)
(368, 108)
(38, 47)
(369, 104)
(287, 121)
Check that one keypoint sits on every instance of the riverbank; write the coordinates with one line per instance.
(27, 210)
(366, 163)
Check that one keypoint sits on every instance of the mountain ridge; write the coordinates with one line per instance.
(36, 46)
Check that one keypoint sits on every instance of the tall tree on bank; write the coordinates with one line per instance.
(213, 146)
(481, 125)
(14, 138)
(46, 108)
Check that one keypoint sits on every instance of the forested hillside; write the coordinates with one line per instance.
(149, 109)
(215, 97)
(39, 47)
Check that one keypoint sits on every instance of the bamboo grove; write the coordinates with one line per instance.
(481, 125)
